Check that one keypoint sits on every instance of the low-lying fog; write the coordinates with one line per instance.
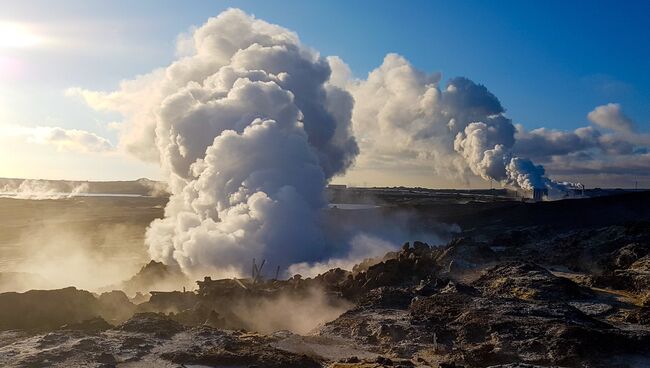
(82, 242)
(91, 243)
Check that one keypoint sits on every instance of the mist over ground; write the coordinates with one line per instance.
(88, 242)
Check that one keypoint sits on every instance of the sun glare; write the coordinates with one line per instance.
(17, 36)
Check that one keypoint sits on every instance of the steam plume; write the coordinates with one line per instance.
(249, 131)
(405, 115)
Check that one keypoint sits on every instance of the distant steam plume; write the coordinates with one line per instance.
(40, 189)
(404, 117)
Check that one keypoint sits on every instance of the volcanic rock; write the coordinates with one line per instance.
(528, 281)
(152, 323)
(496, 330)
(240, 349)
(513, 313)
(154, 276)
(408, 268)
(96, 324)
(115, 306)
(46, 309)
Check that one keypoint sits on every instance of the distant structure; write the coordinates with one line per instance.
(538, 194)
(337, 186)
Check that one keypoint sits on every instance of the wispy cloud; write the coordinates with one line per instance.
(65, 140)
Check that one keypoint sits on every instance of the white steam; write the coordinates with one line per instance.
(40, 190)
(404, 117)
(299, 313)
(362, 247)
(249, 131)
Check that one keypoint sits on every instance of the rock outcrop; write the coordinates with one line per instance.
(46, 309)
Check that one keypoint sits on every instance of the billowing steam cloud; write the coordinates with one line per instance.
(250, 125)
(401, 112)
(249, 131)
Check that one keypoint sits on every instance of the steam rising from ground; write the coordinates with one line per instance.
(300, 314)
(249, 131)
(362, 247)
(39, 189)
(368, 237)
(56, 256)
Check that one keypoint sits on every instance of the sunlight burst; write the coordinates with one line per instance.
(17, 36)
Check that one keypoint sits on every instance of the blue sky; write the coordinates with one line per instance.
(549, 62)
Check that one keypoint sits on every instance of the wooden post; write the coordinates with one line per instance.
(435, 342)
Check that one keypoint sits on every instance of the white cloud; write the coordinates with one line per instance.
(611, 116)
(587, 150)
(578, 164)
(69, 140)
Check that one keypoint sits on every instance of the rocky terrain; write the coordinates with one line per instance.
(530, 295)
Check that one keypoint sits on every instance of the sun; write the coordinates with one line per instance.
(17, 36)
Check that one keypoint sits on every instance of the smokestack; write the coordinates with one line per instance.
(539, 194)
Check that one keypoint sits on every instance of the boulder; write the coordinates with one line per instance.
(528, 281)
